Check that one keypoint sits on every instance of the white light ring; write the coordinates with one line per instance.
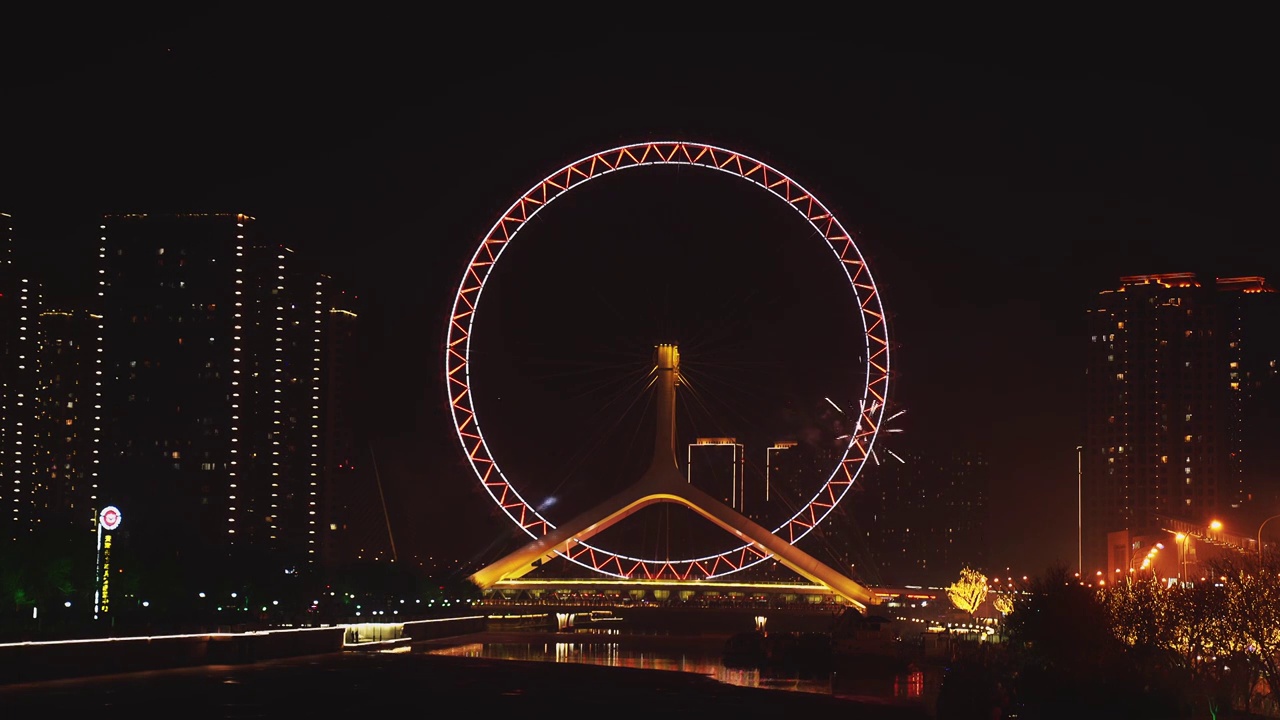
(486, 256)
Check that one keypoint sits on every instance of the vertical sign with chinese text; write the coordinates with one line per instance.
(108, 521)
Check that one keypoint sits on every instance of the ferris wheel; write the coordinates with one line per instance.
(871, 369)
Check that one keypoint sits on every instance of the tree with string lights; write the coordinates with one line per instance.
(969, 592)
(1248, 626)
(1222, 637)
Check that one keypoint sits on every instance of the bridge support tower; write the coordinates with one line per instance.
(663, 482)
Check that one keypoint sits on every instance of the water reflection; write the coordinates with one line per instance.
(912, 686)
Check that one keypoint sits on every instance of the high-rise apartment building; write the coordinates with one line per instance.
(1253, 311)
(278, 414)
(48, 405)
(8, 372)
(352, 519)
(213, 369)
(778, 467)
(1176, 370)
(715, 465)
(793, 473)
(15, 384)
(859, 535)
(24, 485)
(169, 292)
(925, 517)
(67, 418)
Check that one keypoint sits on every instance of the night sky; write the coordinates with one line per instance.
(994, 189)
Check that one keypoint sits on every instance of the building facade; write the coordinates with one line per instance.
(168, 288)
(17, 386)
(716, 466)
(352, 522)
(925, 517)
(49, 405)
(68, 419)
(213, 388)
(1177, 371)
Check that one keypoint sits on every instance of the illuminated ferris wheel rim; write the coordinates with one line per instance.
(503, 232)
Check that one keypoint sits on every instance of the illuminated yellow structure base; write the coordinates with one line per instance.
(663, 482)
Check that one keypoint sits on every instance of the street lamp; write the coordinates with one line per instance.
(1182, 539)
(1149, 562)
(1079, 510)
(1264, 524)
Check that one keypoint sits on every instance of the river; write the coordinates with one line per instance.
(699, 656)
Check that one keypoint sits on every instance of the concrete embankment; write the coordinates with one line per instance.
(24, 662)
(34, 661)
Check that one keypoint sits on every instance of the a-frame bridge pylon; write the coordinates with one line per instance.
(662, 482)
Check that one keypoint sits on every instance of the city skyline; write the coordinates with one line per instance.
(991, 211)
(202, 387)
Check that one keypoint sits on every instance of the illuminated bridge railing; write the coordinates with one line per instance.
(1208, 535)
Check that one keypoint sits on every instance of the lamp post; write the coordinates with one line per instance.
(1264, 524)
(1182, 539)
(1080, 510)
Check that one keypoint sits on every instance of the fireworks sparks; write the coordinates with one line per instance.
(885, 427)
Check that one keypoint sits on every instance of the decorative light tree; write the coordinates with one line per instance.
(1004, 604)
(969, 592)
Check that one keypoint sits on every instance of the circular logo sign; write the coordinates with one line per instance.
(109, 517)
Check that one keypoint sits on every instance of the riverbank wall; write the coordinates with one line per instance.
(49, 660)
